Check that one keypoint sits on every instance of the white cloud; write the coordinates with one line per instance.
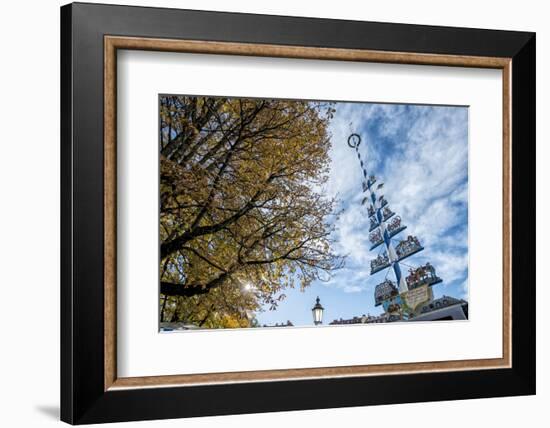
(352, 289)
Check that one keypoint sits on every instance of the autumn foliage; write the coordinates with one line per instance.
(242, 214)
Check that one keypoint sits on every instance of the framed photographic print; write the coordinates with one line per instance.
(257, 207)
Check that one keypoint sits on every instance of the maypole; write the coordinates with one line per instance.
(397, 299)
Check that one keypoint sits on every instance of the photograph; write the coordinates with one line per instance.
(264, 215)
(296, 213)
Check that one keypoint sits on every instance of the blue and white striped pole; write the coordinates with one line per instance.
(354, 141)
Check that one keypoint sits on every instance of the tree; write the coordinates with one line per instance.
(241, 214)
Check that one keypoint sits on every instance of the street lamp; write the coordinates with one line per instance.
(317, 311)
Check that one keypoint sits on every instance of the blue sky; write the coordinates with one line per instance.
(420, 153)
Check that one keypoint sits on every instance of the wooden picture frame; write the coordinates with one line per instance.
(91, 390)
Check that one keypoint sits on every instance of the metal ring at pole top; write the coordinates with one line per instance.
(354, 140)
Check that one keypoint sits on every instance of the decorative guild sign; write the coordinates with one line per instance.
(414, 298)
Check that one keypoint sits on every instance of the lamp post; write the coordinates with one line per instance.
(317, 311)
